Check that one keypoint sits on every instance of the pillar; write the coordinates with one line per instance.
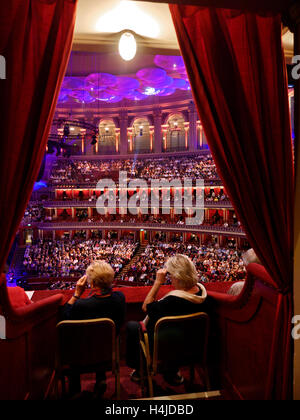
(123, 117)
(130, 139)
(201, 136)
(82, 143)
(164, 129)
(117, 134)
(157, 130)
(192, 127)
(186, 132)
(151, 137)
(89, 148)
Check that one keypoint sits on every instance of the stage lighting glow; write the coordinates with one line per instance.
(149, 81)
(150, 91)
(128, 16)
(127, 46)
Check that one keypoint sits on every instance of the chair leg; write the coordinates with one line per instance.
(142, 373)
(150, 384)
(118, 386)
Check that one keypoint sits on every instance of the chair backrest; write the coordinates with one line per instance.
(180, 340)
(86, 343)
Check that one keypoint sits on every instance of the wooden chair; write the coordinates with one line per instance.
(87, 346)
(178, 341)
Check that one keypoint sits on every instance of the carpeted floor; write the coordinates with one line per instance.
(131, 390)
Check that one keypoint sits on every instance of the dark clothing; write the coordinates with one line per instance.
(96, 305)
(133, 345)
(110, 306)
(169, 306)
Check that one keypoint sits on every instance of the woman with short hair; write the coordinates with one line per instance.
(101, 302)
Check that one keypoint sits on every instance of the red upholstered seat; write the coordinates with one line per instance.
(27, 346)
(242, 333)
(244, 328)
(18, 297)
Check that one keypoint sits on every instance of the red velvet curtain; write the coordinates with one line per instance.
(238, 76)
(257, 6)
(35, 40)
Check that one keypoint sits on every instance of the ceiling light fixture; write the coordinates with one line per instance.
(127, 46)
(127, 15)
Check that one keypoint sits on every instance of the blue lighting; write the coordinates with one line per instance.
(39, 185)
(150, 91)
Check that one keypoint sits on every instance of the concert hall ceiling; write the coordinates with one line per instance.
(97, 74)
(99, 23)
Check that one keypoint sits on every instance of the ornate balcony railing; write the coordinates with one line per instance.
(138, 225)
(214, 182)
(92, 204)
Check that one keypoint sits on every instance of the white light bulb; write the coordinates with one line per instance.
(127, 46)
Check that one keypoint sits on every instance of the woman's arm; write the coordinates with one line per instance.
(80, 287)
(160, 280)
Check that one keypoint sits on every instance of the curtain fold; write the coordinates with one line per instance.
(238, 77)
(256, 6)
(35, 40)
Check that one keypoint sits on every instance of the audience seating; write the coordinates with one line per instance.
(241, 336)
(84, 346)
(188, 334)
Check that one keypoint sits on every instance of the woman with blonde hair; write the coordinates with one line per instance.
(185, 299)
(101, 302)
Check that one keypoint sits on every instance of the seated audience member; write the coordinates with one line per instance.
(248, 257)
(185, 299)
(101, 302)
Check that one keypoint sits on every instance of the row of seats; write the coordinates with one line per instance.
(28, 337)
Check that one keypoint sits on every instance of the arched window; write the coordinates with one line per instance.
(176, 136)
(107, 137)
(141, 135)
